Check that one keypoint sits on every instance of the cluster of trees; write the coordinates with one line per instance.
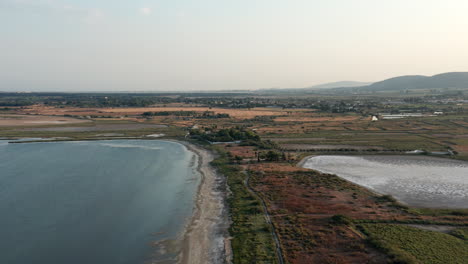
(330, 104)
(206, 114)
(225, 135)
(170, 113)
(270, 155)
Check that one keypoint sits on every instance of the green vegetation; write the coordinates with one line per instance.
(272, 156)
(195, 114)
(438, 212)
(391, 201)
(412, 245)
(461, 233)
(224, 135)
(252, 241)
(341, 220)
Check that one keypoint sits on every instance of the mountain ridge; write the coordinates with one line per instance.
(448, 80)
(413, 82)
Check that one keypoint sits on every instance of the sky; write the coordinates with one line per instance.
(169, 45)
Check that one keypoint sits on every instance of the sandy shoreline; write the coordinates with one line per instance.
(301, 163)
(206, 239)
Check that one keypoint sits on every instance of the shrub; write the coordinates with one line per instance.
(341, 220)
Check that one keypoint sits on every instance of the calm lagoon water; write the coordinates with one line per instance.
(414, 180)
(93, 202)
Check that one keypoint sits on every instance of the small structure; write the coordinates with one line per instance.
(438, 113)
(374, 118)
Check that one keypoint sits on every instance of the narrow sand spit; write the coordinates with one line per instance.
(207, 239)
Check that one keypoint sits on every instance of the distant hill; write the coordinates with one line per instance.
(458, 80)
(342, 84)
(332, 85)
(451, 80)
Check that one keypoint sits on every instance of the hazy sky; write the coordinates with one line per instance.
(64, 45)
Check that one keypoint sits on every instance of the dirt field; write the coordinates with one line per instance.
(303, 147)
(235, 113)
(34, 120)
(319, 119)
(98, 127)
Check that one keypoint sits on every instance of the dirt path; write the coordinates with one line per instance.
(279, 253)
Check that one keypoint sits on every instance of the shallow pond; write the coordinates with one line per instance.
(414, 180)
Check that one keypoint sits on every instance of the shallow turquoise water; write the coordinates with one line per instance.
(92, 202)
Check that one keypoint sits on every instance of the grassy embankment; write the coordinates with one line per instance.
(406, 244)
(252, 241)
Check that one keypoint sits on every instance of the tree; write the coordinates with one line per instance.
(272, 156)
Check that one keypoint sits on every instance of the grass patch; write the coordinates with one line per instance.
(461, 233)
(438, 212)
(411, 245)
(341, 220)
(252, 241)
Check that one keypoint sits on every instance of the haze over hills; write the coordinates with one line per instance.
(450, 80)
(341, 84)
(456, 80)
(331, 85)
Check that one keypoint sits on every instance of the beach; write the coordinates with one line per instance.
(206, 239)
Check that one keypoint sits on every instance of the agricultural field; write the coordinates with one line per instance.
(7, 120)
(414, 245)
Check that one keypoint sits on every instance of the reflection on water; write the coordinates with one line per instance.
(414, 180)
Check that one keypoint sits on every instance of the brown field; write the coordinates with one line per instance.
(235, 113)
(319, 119)
(36, 120)
(462, 148)
(436, 133)
(46, 110)
(244, 152)
(301, 214)
(330, 147)
(302, 203)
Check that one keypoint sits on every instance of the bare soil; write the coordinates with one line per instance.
(37, 120)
